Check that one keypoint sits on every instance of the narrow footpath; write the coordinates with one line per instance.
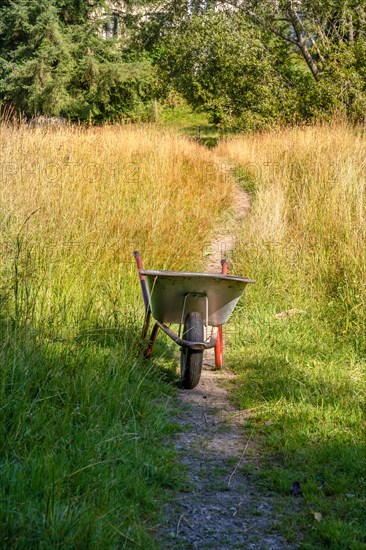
(221, 507)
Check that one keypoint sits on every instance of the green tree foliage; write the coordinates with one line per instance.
(55, 60)
(270, 61)
(248, 63)
(224, 64)
(329, 36)
(35, 61)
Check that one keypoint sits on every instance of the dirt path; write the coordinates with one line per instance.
(223, 240)
(221, 508)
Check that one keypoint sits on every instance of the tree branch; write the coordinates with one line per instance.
(301, 42)
(271, 28)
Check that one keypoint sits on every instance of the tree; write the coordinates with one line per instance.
(35, 59)
(221, 63)
(55, 60)
(329, 36)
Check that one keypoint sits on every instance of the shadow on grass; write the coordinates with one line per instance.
(164, 357)
(309, 416)
(83, 451)
(207, 135)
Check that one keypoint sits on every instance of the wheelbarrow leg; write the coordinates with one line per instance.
(151, 342)
(144, 295)
(146, 324)
(219, 347)
(142, 280)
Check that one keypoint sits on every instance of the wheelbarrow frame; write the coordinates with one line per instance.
(214, 341)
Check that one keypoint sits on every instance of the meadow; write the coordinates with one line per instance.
(84, 421)
(299, 341)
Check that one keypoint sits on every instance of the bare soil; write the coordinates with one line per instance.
(223, 240)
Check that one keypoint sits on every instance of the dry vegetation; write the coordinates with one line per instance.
(308, 222)
(300, 339)
(84, 421)
(76, 203)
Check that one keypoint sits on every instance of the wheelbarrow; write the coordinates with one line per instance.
(199, 303)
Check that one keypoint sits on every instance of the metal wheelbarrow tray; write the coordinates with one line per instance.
(193, 301)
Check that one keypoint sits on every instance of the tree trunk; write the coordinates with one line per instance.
(302, 42)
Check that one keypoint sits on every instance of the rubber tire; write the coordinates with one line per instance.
(190, 359)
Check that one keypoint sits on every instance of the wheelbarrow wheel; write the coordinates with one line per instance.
(190, 359)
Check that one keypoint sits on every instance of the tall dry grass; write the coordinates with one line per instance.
(307, 228)
(75, 203)
(300, 339)
(84, 421)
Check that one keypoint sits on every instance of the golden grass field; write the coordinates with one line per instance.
(82, 200)
(308, 220)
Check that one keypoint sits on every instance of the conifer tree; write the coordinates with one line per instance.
(56, 59)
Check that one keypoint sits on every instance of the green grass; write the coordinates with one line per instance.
(182, 119)
(83, 452)
(245, 179)
(190, 124)
(181, 116)
(303, 374)
(307, 392)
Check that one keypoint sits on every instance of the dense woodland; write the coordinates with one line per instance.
(247, 63)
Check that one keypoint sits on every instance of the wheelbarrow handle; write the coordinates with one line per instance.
(142, 279)
(224, 266)
(219, 347)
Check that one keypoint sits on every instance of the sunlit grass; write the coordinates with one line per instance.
(308, 222)
(303, 373)
(77, 203)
